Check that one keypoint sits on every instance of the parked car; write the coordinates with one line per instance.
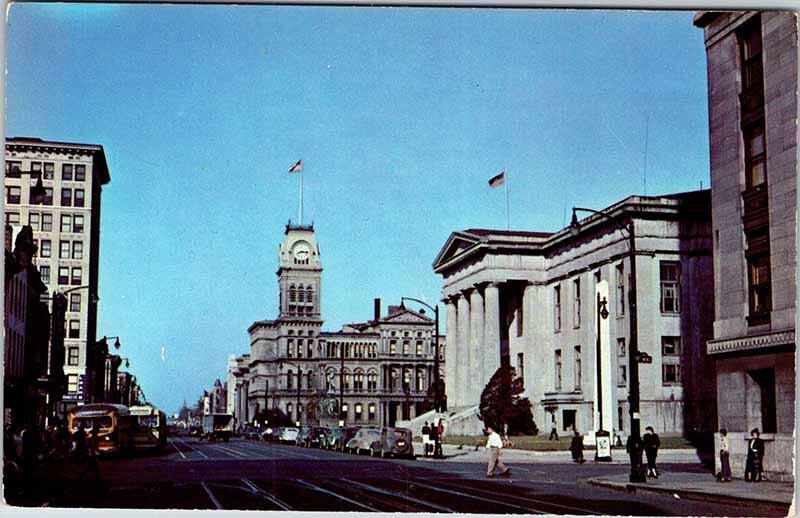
(347, 434)
(365, 440)
(302, 436)
(289, 435)
(396, 442)
(270, 434)
(316, 437)
(333, 440)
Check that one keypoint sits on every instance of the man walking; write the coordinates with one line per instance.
(651, 444)
(554, 429)
(493, 446)
(426, 435)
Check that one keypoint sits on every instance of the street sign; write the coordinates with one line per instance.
(644, 358)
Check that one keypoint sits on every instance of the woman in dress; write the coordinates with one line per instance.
(755, 456)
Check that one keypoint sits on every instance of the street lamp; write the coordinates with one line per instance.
(299, 380)
(602, 314)
(266, 392)
(438, 393)
(635, 441)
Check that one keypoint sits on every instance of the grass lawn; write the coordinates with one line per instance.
(540, 442)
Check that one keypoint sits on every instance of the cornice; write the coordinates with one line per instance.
(749, 343)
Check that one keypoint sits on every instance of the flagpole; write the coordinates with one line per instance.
(300, 217)
(506, 182)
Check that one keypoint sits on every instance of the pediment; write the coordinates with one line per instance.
(457, 244)
(407, 316)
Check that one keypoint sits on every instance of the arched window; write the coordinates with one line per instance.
(301, 294)
(299, 348)
(309, 348)
(310, 380)
(289, 347)
(372, 381)
(292, 293)
(346, 376)
(358, 380)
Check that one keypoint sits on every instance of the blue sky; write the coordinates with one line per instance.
(400, 116)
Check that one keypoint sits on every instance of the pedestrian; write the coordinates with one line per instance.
(755, 457)
(553, 429)
(651, 443)
(724, 457)
(437, 449)
(79, 442)
(576, 447)
(493, 446)
(426, 434)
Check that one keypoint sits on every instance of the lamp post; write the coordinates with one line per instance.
(635, 441)
(266, 392)
(602, 314)
(437, 392)
(299, 380)
(100, 359)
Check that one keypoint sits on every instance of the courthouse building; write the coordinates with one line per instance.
(66, 231)
(753, 113)
(379, 370)
(531, 300)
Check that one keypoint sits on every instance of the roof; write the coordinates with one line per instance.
(97, 151)
(492, 232)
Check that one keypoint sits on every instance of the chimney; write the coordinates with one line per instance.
(377, 309)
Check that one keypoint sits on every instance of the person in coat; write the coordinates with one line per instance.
(576, 447)
(651, 444)
(755, 456)
(724, 456)
(426, 434)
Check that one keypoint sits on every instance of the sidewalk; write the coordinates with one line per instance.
(703, 486)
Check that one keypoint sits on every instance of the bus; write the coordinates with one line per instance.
(112, 423)
(150, 429)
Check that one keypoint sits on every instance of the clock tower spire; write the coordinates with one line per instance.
(299, 273)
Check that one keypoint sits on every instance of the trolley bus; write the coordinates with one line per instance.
(150, 429)
(111, 423)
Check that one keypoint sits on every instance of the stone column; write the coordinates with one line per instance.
(530, 348)
(450, 355)
(475, 375)
(491, 330)
(462, 356)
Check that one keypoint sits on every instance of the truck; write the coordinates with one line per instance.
(217, 426)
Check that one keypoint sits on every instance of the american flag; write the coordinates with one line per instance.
(497, 181)
(297, 167)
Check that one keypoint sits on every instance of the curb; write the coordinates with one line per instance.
(683, 493)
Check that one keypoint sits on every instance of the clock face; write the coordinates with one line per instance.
(301, 251)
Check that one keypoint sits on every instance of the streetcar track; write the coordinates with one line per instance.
(335, 495)
(467, 495)
(408, 498)
(267, 495)
(211, 496)
(172, 442)
(193, 448)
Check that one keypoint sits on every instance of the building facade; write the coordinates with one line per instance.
(532, 300)
(66, 231)
(374, 372)
(753, 113)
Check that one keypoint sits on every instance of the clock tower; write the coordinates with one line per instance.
(299, 274)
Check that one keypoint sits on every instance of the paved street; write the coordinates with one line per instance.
(245, 474)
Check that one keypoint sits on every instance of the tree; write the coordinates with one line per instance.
(502, 405)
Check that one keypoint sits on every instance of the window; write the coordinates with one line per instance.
(47, 222)
(33, 220)
(36, 169)
(359, 412)
(309, 348)
(557, 308)
(46, 248)
(48, 196)
(419, 347)
(66, 223)
(299, 347)
(77, 223)
(310, 380)
(576, 303)
(558, 369)
(393, 378)
(420, 380)
(406, 347)
(372, 381)
(620, 419)
(750, 48)
(578, 368)
(622, 351)
(406, 379)
(759, 285)
(12, 218)
(672, 373)
(80, 172)
(358, 380)
(66, 171)
(392, 347)
(74, 329)
(620, 289)
(371, 412)
(299, 382)
(290, 348)
(345, 410)
(762, 405)
(670, 286)
(13, 168)
(347, 379)
(622, 375)
(79, 197)
(671, 345)
(755, 156)
(63, 252)
(72, 383)
(521, 367)
(44, 271)
(289, 379)
(72, 356)
(75, 302)
(77, 250)
(13, 194)
(49, 169)
(77, 276)
(66, 197)
(63, 275)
